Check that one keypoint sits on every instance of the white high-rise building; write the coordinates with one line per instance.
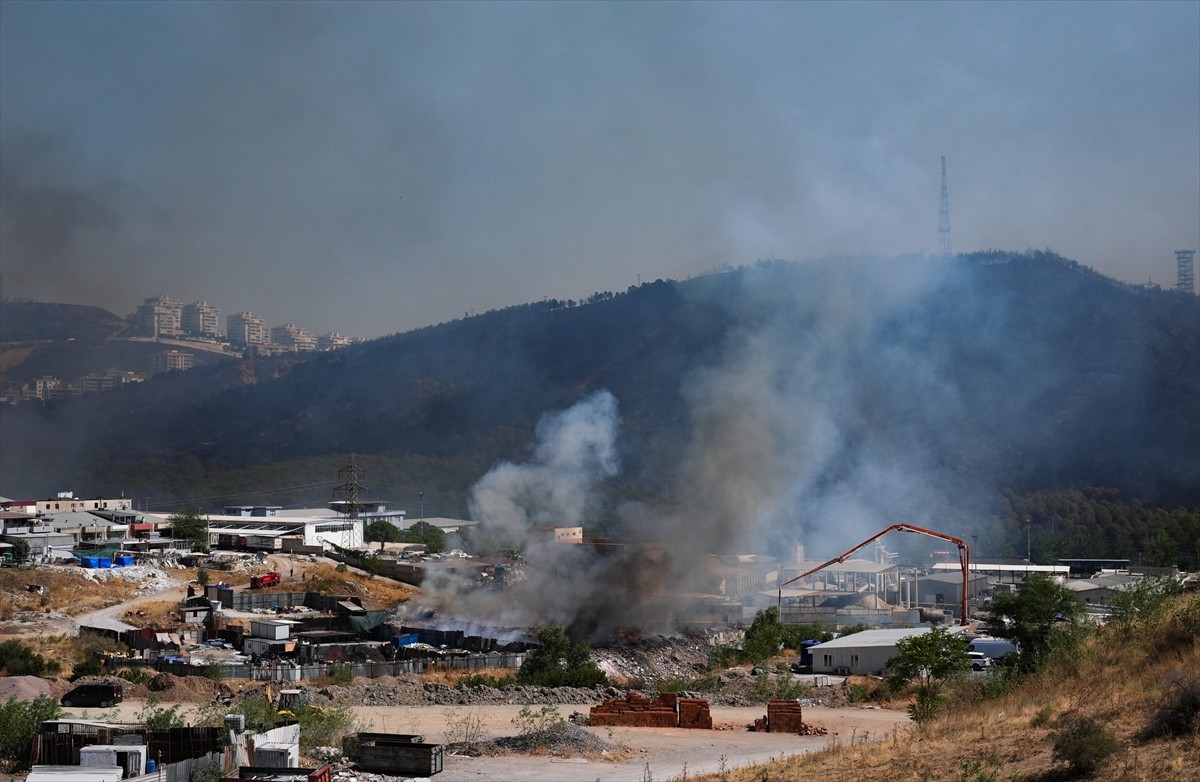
(201, 319)
(158, 316)
(246, 328)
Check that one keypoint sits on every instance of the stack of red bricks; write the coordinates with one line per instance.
(693, 713)
(784, 717)
(666, 711)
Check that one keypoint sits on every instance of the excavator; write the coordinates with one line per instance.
(964, 559)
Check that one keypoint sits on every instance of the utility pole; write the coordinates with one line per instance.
(944, 217)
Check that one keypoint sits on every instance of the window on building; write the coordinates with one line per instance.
(854, 660)
(828, 660)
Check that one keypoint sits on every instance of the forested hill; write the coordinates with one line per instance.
(898, 383)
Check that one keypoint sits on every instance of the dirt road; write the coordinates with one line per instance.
(665, 753)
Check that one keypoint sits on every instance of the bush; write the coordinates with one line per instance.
(530, 721)
(156, 717)
(928, 703)
(89, 667)
(342, 673)
(16, 659)
(1177, 712)
(133, 675)
(1083, 744)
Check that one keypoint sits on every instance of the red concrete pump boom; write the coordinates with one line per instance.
(964, 559)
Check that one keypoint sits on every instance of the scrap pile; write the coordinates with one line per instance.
(668, 710)
(785, 717)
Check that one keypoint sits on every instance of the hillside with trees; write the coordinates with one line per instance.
(994, 394)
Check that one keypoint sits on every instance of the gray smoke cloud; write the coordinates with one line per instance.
(780, 451)
(576, 450)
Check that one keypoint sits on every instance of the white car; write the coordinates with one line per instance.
(979, 661)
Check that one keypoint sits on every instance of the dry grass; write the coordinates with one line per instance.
(452, 676)
(1115, 680)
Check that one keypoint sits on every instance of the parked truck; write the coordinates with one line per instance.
(265, 580)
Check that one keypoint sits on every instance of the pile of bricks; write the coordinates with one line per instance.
(693, 713)
(784, 717)
(666, 711)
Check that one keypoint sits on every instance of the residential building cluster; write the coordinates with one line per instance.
(163, 317)
(181, 329)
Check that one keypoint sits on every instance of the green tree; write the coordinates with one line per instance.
(1143, 601)
(382, 531)
(20, 551)
(424, 532)
(1162, 549)
(556, 663)
(189, 525)
(930, 658)
(1041, 616)
(20, 722)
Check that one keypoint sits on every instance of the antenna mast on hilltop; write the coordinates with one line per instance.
(944, 217)
(350, 485)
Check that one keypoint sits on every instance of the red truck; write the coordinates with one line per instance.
(265, 580)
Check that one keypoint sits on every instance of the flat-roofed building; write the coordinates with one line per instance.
(246, 328)
(159, 316)
(201, 319)
(289, 335)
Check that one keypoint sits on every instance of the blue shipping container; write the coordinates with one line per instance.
(406, 640)
(105, 562)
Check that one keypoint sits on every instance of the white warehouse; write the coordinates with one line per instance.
(863, 653)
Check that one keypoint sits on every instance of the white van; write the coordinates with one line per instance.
(994, 648)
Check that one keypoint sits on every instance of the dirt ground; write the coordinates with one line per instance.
(646, 753)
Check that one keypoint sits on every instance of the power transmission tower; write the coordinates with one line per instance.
(944, 217)
(349, 476)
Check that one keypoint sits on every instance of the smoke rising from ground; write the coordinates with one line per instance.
(782, 449)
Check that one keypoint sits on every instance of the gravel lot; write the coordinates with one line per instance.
(664, 752)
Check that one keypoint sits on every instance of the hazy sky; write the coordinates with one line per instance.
(374, 167)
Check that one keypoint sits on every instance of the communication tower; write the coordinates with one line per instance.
(944, 217)
(1185, 262)
(349, 476)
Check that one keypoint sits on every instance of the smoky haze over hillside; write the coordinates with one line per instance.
(373, 167)
(845, 397)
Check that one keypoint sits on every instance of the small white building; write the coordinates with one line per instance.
(863, 653)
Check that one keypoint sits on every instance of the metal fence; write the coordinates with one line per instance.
(285, 672)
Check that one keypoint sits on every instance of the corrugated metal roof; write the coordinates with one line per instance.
(868, 638)
(75, 774)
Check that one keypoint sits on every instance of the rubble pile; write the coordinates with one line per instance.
(655, 659)
(399, 691)
(563, 739)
